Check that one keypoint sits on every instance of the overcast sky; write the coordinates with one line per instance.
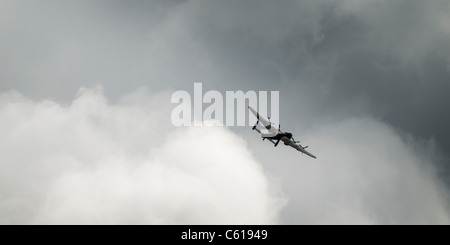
(85, 128)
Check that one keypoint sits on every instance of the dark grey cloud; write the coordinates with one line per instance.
(51, 48)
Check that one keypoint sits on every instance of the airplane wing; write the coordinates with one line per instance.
(257, 130)
(261, 119)
(299, 148)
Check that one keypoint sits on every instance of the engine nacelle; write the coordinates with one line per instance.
(268, 135)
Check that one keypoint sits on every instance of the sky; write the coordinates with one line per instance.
(86, 137)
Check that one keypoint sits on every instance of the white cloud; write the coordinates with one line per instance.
(92, 162)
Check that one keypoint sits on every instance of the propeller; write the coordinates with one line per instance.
(295, 140)
(275, 145)
(254, 127)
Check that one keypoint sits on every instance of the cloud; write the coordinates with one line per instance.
(92, 162)
(351, 67)
(408, 30)
(366, 173)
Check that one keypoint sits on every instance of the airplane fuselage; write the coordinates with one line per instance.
(279, 136)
